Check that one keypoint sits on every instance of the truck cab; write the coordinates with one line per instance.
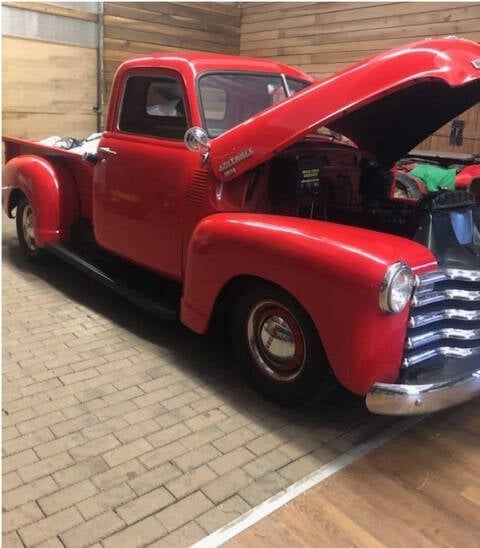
(143, 193)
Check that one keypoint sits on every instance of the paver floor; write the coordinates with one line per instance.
(122, 429)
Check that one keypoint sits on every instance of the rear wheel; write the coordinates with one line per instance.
(26, 230)
(279, 347)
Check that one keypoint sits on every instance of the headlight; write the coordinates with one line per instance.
(396, 289)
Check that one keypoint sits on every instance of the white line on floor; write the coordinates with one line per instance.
(251, 517)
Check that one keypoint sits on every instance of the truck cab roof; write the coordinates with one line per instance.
(198, 62)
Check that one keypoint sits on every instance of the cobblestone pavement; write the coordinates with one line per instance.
(121, 430)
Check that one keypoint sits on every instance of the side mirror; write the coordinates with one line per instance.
(196, 140)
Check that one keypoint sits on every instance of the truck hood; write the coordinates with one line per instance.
(386, 104)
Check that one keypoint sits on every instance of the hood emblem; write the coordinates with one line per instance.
(236, 160)
(476, 63)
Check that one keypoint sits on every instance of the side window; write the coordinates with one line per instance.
(153, 106)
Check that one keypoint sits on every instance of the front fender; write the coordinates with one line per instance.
(334, 271)
(51, 192)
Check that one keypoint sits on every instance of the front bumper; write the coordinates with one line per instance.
(415, 399)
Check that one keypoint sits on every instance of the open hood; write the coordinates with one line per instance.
(386, 104)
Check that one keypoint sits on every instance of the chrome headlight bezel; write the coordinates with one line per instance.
(392, 278)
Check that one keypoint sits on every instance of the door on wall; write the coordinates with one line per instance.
(48, 89)
(49, 71)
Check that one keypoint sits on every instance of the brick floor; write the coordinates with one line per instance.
(119, 428)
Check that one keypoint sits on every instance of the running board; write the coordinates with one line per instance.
(86, 263)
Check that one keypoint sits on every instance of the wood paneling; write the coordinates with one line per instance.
(322, 38)
(420, 489)
(53, 10)
(144, 27)
(471, 135)
(29, 125)
(48, 89)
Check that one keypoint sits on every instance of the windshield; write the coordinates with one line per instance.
(228, 99)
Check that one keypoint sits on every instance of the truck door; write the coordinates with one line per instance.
(141, 173)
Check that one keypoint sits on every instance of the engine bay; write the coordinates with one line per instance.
(338, 183)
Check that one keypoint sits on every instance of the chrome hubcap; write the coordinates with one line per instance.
(28, 227)
(276, 341)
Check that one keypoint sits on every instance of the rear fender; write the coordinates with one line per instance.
(468, 177)
(51, 191)
(333, 271)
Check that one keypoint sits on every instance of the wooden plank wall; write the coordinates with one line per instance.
(144, 27)
(49, 87)
(323, 37)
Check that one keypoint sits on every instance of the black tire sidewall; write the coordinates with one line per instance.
(315, 380)
(410, 186)
(37, 254)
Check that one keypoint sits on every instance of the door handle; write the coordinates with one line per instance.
(107, 150)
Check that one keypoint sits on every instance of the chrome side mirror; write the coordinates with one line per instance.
(196, 140)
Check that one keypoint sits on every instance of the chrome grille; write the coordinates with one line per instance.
(444, 317)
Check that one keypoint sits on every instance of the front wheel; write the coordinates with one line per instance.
(279, 347)
(26, 231)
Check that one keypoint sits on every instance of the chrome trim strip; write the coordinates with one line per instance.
(414, 399)
(447, 333)
(107, 150)
(445, 351)
(445, 295)
(462, 275)
(419, 320)
(424, 289)
(431, 278)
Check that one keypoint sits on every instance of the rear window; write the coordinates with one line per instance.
(214, 101)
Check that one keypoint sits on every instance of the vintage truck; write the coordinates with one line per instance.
(215, 194)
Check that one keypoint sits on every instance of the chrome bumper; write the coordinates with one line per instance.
(415, 399)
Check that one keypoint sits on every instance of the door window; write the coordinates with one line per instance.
(153, 106)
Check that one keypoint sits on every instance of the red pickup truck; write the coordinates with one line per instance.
(213, 194)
